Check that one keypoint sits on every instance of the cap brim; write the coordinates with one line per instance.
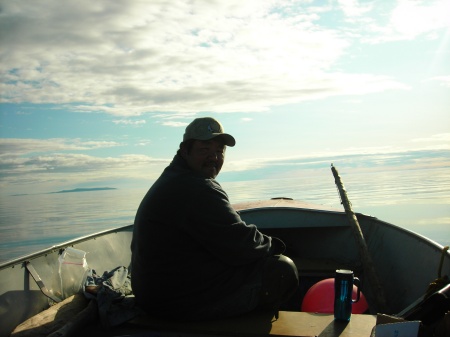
(229, 139)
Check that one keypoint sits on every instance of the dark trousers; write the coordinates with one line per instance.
(271, 285)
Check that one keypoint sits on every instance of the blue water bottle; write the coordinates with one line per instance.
(343, 289)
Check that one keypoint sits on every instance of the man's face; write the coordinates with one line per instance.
(206, 156)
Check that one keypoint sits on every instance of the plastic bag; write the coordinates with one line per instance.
(72, 271)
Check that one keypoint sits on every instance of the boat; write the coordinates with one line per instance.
(319, 240)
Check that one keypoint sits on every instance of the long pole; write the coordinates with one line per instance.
(367, 262)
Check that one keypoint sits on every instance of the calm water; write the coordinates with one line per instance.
(416, 200)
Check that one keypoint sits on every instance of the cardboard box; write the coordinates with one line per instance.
(391, 326)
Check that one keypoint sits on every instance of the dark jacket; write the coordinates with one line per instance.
(189, 245)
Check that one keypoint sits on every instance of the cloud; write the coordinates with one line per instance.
(127, 59)
(387, 21)
(58, 162)
(356, 160)
(411, 18)
(17, 174)
(352, 8)
(440, 138)
(37, 162)
(175, 124)
(443, 80)
(129, 122)
(18, 146)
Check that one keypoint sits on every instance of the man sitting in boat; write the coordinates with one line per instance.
(192, 256)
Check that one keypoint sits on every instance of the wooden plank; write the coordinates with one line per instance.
(323, 325)
(264, 324)
(254, 323)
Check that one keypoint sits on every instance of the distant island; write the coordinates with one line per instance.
(71, 191)
(85, 190)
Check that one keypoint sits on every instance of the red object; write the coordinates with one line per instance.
(320, 298)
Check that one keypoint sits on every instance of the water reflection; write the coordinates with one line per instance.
(417, 200)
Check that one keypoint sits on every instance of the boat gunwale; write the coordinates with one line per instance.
(286, 207)
(270, 205)
(21, 259)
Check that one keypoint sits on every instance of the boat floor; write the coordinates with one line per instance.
(289, 323)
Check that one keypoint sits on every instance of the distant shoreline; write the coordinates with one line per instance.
(75, 190)
(85, 190)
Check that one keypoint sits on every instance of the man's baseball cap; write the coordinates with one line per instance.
(206, 128)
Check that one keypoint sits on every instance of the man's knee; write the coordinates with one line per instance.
(287, 266)
(289, 275)
(280, 280)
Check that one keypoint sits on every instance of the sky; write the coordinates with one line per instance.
(98, 93)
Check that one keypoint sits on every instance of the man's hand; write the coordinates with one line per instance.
(278, 247)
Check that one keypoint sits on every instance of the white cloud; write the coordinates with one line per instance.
(379, 22)
(175, 124)
(127, 58)
(411, 18)
(57, 162)
(441, 138)
(354, 8)
(19, 146)
(443, 80)
(129, 122)
(26, 161)
(43, 171)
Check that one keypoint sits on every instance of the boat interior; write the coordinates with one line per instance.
(319, 241)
